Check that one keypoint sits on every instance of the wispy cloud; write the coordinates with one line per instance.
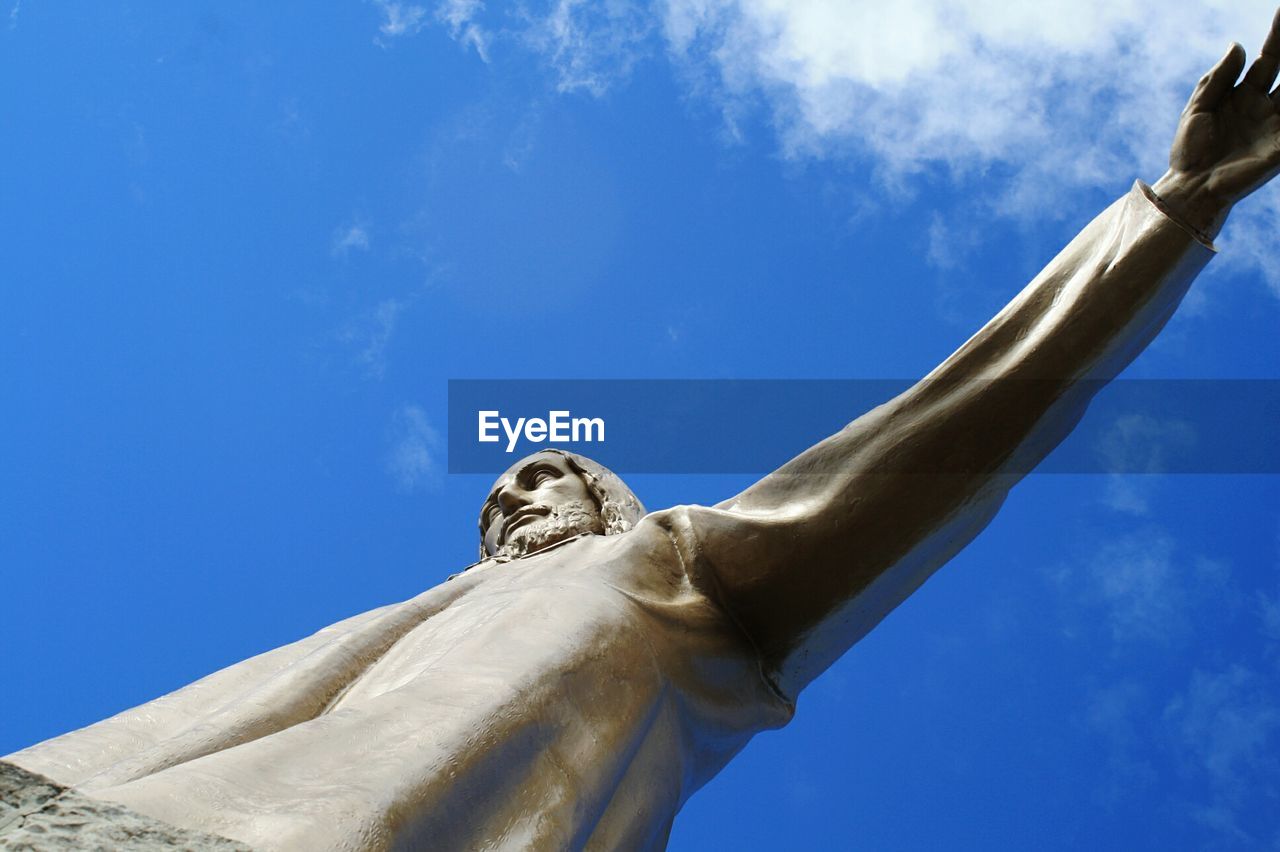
(1146, 591)
(1214, 738)
(1117, 713)
(1128, 495)
(1225, 724)
(13, 14)
(1251, 237)
(399, 19)
(1210, 738)
(1135, 445)
(1140, 443)
(1136, 581)
(1093, 83)
(459, 17)
(1226, 718)
(591, 46)
(348, 238)
(1025, 105)
(1022, 105)
(949, 242)
(411, 460)
(1267, 608)
(370, 334)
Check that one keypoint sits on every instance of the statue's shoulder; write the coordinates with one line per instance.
(684, 526)
(672, 521)
(692, 519)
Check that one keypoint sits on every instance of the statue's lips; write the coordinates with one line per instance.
(521, 516)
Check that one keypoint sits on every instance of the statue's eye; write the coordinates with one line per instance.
(541, 477)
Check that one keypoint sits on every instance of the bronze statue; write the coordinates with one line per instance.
(598, 665)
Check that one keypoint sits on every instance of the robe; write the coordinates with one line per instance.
(575, 698)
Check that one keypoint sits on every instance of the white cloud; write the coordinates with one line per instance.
(1149, 592)
(1138, 443)
(1216, 739)
(590, 46)
(1116, 713)
(459, 16)
(370, 334)
(1251, 238)
(1217, 735)
(349, 238)
(1022, 104)
(1054, 96)
(1226, 718)
(1209, 739)
(1128, 495)
(1268, 610)
(458, 13)
(1134, 445)
(414, 443)
(921, 81)
(1225, 725)
(400, 19)
(947, 243)
(1136, 580)
(13, 14)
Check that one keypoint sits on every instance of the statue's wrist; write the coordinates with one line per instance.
(1189, 198)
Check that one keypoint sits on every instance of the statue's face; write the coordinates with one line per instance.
(541, 503)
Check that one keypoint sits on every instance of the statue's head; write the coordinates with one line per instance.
(551, 496)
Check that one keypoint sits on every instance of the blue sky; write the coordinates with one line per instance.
(246, 245)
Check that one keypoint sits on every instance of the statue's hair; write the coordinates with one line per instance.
(620, 509)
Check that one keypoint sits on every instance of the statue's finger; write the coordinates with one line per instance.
(1262, 74)
(1215, 85)
(1272, 44)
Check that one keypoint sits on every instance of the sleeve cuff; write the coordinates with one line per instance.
(1159, 204)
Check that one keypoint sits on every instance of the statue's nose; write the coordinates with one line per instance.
(512, 497)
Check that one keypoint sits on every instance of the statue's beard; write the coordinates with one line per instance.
(560, 523)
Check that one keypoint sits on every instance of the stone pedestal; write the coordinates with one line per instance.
(40, 815)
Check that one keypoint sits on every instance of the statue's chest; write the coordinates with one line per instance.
(521, 627)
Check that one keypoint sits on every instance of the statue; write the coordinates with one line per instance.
(598, 664)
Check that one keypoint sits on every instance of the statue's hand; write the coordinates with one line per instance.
(1228, 139)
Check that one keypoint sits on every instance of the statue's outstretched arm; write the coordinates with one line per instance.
(813, 556)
